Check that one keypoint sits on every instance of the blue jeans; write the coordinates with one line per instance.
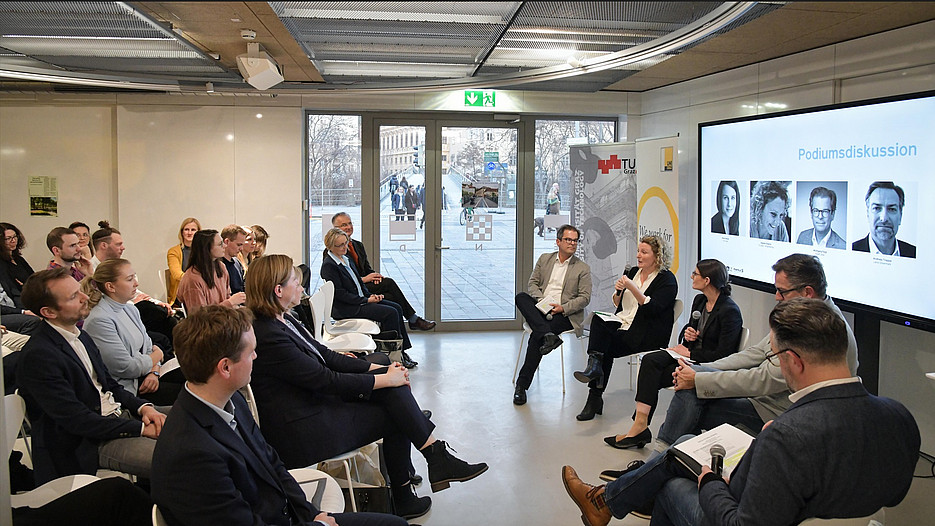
(689, 414)
(676, 497)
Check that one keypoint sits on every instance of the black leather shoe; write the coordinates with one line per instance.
(415, 479)
(594, 406)
(594, 370)
(409, 505)
(549, 343)
(421, 325)
(640, 440)
(407, 361)
(519, 396)
(611, 475)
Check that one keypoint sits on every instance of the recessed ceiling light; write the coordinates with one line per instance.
(236, 20)
(259, 115)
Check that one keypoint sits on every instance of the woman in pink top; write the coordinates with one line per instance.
(206, 281)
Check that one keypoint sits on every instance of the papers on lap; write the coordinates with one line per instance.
(696, 452)
(545, 304)
(607, 316)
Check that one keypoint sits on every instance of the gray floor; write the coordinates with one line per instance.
(465, 379)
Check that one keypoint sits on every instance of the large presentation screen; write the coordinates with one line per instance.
(852, 184)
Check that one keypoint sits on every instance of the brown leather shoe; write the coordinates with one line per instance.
(590, 499)
(422, 325)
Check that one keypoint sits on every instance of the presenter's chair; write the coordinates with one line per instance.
(527, 332)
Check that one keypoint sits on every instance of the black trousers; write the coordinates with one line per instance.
(107, 502)
(156, 318)
(656, 370)
(389, 315)
(613, 343)
(391, 291)
(540, 326)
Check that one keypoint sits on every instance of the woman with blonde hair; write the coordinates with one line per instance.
(177, 257)
(315, 403)
(645, 299)
(115, 325)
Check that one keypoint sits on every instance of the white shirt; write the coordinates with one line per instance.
(109, 406)
(553, 289)
(875, 250)
(342, 261)
(823, 242)
(628, 303)
(226, 413)
(798, 395)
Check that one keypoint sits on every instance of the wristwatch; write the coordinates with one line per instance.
(156, 373)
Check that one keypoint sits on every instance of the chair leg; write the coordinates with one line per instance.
(350, 485)
(561, 350)
(519, 353)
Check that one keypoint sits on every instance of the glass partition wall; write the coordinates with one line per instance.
(450, 208)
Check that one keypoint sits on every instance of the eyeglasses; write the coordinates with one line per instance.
(782, 292)
(340, 245)
(10, 238)
(773, 358)
(570, 240)
(821, 212)
(695, 274)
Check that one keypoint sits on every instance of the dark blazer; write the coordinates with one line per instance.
(363, 263)
(906, 250)
(12, 278)
(720, 335)
(652, 324)
(300, 393)
(64, 407)
(204, 472)
(346, 301)
(717, 225)
(839, 452)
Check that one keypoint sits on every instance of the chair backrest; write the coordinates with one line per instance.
(318, 301)
(677, 308)
(163, 296)
(14, 412)
(247, 393)
(158, 519)
(328, 289)
(676, 311)
(744, 337)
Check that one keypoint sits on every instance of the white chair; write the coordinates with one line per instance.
(744, 337)
(877, 519)
(14, 414)
(165, 284)
(634, 359)
(342, 342)
(527, 332)
(247, 393)
(158, 519)
(346, 459)
(320, 489)
(15, 409)
(347, 325)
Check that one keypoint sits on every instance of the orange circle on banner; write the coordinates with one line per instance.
(655, 191)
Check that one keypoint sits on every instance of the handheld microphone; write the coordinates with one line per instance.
(696, 315)
(549, 316)
(717, 459)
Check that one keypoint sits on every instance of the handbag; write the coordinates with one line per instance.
(374, 499)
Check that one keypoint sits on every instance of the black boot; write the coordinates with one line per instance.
(407, 361)
(594, 371)
(445, 468)
(409, 505)
(594, 405)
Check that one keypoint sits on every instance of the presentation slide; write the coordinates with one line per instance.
(853, 185)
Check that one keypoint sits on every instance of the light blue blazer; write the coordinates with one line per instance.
(119, 333)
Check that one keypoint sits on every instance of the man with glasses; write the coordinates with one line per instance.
(885, 202)
(745, 389)
(821, 458)
(822, 203)
(562, 283)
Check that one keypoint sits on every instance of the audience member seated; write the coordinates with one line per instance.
(211, 464)
(178, 256)
(566, 280)
(744, 388)
(13, 342)
(837, 452)
(66, 252)
(234, 238)
(81, 418)
(247, 249)
(713, 334)
(645, 299)
(118, 331)
(84, 240)
(376, 282)
(13, 273)
(157, 316)
(315, 403)
(260, 238)
(352, 298)
(205, 281)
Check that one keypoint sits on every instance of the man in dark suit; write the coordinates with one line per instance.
(376, 282)
(212, 465)
(81, 417)
(822, 204)
(885, 202)
(830, 455)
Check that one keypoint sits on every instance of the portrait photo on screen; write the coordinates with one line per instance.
(770, 202)
(727, 203)
(821, 213)
(888, 208)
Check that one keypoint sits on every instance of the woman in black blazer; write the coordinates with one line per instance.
(713, 332)
(645, 299)
(315, 403)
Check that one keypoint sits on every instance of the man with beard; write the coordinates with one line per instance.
(66, 252)
(885, 202)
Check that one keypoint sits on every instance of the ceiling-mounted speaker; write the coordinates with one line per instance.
(258, 68)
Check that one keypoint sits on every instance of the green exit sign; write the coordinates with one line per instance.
(480, 98)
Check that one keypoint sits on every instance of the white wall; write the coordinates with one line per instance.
(891, 63)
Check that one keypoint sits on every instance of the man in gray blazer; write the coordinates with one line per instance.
(565, 282)
(837, 452)
(745, 388)
(822, 204)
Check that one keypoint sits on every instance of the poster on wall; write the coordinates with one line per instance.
(603, 207)
(658, 187)
(43, 196)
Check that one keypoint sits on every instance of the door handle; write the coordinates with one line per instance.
(441, 247)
